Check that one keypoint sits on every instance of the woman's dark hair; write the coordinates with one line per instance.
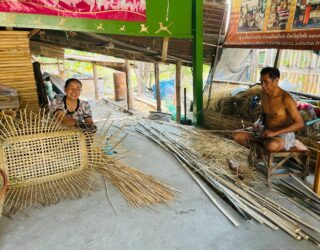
(272, 72)
(72, 80)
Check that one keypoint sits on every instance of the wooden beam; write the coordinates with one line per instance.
(83, 46)
(157, 81)
(33, 32)
(129, 87)
(165, 45)
(178, 92)
(119, 106)
(113, 65)
(96, 81)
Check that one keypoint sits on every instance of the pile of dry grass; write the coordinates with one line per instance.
(218, 151)
(240, 105)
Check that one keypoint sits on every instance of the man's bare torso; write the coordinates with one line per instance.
(275, 110)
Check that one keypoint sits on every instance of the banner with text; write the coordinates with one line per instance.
(291, 24)
(128, 10)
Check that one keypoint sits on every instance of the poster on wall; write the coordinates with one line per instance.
(274, 24)
(252, 13)
(123, 10)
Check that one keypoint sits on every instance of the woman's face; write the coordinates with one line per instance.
(73, 90)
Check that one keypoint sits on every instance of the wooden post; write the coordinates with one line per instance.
(157, 81)
(61, 69)
(165, 49)
(129, 87)
(178, 92)
(95, 81)
(276, 60)
(316, 186)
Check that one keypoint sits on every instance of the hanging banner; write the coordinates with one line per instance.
(291, 24)
(166, 18)
(124, 10)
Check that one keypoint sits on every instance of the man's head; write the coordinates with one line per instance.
(269, 78)
(73, 88)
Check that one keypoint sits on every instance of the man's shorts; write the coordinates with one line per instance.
(289, 140)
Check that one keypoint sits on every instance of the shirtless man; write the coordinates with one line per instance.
(280, 117)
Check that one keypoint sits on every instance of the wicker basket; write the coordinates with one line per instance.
(3, 187)
(42, 157)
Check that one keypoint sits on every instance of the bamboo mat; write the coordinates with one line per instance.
(16, 69)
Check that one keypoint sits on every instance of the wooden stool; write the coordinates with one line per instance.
(298, 156)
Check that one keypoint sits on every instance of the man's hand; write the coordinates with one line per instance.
(257, 127)
(269, 133)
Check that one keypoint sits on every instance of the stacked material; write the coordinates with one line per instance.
(250, 204)
(16, 69)
(47, 162)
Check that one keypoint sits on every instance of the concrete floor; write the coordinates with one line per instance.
(191, 222)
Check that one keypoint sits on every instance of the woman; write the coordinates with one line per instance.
(72, 110)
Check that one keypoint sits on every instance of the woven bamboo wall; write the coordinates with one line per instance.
(16, 69)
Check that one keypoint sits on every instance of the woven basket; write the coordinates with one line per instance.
(45, 156)
(3, 187)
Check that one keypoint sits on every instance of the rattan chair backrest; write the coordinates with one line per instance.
(44, 156)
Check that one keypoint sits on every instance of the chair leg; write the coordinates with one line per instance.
(306, 167)
(269, 167)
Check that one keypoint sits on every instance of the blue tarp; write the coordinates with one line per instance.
(166, 89)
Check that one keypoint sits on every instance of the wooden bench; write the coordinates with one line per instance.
(294, 161)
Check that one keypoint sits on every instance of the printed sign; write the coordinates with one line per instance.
(291, 24)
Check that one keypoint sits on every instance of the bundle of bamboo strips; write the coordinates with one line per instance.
(248, 202)
(48, 162)
(220, 152)
(299, 194)
(16, 69)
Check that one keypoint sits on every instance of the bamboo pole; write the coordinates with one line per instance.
(157, 82)
(95, 81)
(178, 92)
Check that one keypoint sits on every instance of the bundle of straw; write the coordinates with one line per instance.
(48, 162)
